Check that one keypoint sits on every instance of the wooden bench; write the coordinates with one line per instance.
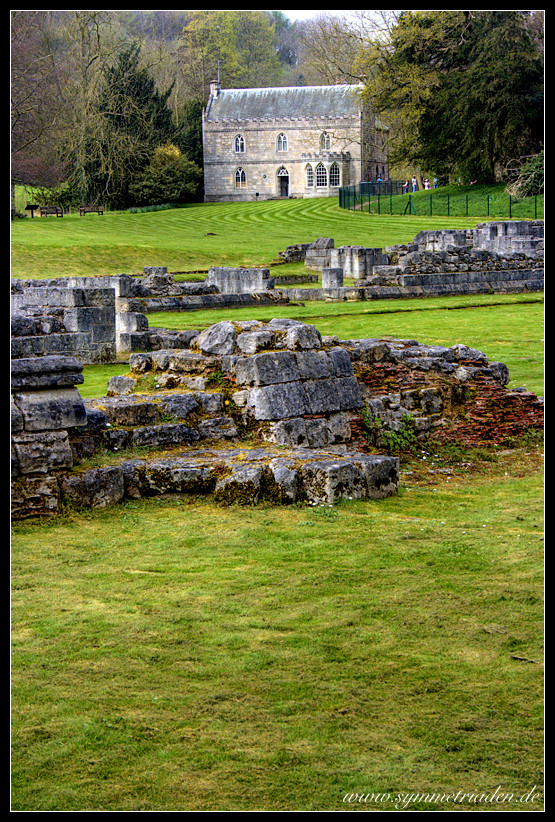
(84, 209)
(46, 210)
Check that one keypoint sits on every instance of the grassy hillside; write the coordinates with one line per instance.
(198, 236)
(487, 202)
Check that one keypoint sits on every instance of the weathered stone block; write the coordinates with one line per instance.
(303, 336)
(16, 418)
(285, 477)
(327, 481)
(315, 364)
(212, 402)
(127, 411)
(465, 353)
(169, 476)
(252, 341)
(51, 371)
(140, 363)
(322, 395)
(243, 486)
(43, 452)
(275, 402)
(95, 488)
(240, 280)
(339, 394)
(357, 477)
(179, 405)
(218, 428)
(35, 497)
(381, 474)
(190, 362)
(164, 436)
(217, 339)
(290, 432)
(339, 428)
(120, 385)
(332, 277)
(341, 362)
(372, 351)
(317, 433)
(51, 410)
(266, 368)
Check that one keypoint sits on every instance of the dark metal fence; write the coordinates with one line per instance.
(390, 198)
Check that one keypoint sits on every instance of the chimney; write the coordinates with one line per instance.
(215, 88)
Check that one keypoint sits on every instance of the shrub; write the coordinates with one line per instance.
(404, 439)
(169, 178)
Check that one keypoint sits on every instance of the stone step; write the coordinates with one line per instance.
(240, 476)
(132, 421)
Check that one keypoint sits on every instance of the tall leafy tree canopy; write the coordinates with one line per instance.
(465, 89)
(239, 46)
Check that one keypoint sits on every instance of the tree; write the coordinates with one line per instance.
(37, 107)
(189, 135)
(237, 46)
(134, 119)
(462, 89)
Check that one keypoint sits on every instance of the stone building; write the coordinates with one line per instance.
(305, 141)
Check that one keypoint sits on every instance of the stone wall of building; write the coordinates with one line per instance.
(241, 128)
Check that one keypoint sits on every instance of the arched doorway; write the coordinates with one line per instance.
(283, 182)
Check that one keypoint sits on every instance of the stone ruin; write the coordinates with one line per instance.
(249, 411)
(96, 318)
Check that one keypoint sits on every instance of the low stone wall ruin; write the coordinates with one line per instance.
(247, 411)
(96, 318)
(239, 280)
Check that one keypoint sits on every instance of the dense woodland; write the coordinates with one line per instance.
(107, 104)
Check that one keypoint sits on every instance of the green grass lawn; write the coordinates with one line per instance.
(489, 202)
(172, 655)
(195, 237)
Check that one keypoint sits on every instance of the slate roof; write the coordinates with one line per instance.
(283, 102)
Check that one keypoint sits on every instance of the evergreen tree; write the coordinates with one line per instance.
(189, 137)
(135, 120)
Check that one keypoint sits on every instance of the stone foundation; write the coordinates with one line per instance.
(252, 411)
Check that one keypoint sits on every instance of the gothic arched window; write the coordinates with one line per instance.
(334, 175)
(325, 141)
(282, 142)
(240, 178)
(309, 176)
(239, 144)
(321, 176)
